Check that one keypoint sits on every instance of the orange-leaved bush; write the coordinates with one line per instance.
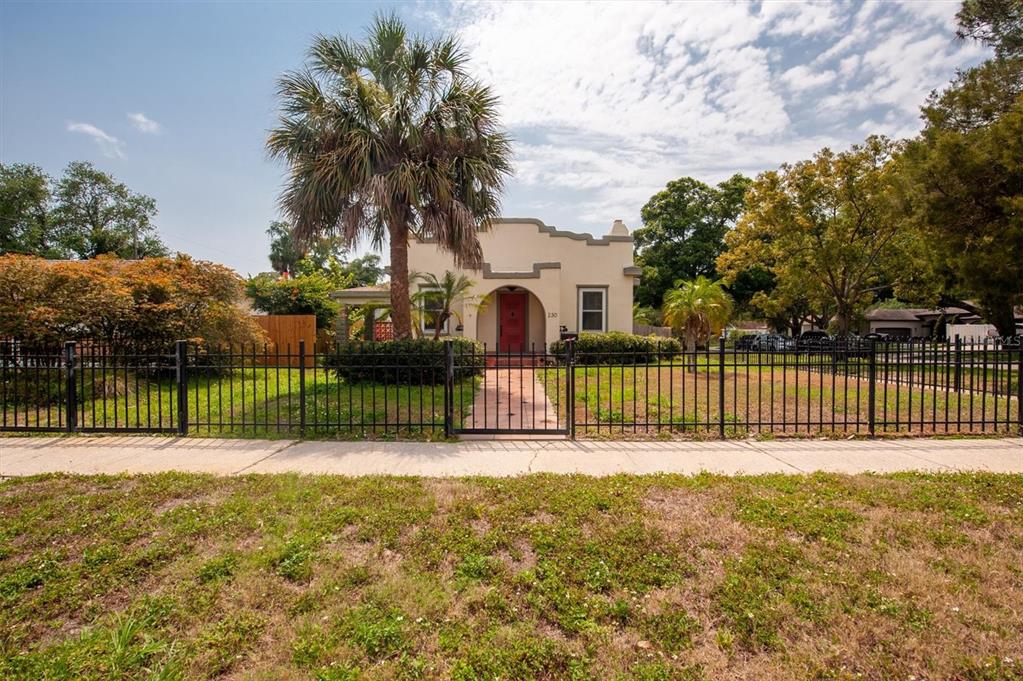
(154, 301)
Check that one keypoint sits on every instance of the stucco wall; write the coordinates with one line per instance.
(485, 323)
(551, 264)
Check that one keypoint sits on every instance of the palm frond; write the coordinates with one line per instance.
(390, 135)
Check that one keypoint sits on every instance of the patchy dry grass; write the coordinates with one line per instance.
(626, 401)
(661, 577)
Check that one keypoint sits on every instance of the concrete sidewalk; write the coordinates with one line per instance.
(140, 454)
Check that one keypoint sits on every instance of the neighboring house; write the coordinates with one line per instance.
(900, 323)
(376, 297)
(926, 323)
(537, 283)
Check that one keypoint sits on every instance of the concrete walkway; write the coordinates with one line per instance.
(140, 454)
(511, 399)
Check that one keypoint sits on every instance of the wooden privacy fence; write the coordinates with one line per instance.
(284, 331)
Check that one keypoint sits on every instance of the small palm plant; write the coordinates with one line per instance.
(443, 292)
(696, 309)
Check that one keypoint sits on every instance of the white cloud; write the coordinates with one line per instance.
(801, 18)
(847, 67)
(108, 144)
(800, 78)
(610, 100)
(144, 123)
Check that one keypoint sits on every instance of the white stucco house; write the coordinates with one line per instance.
(537, 283)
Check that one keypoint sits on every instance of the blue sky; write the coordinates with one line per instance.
(607, 102)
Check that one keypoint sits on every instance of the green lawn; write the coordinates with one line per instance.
(258, 402)
(553, 577)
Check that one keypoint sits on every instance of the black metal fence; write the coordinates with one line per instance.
(87, 387)
(918, 387)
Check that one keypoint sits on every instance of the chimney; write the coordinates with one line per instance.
(618, 228)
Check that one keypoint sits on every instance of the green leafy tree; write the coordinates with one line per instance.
(963, 176)
(967, 197)
(436, 298)
(323, 254)
(94, 215)
(996, 23)
(748, 284)
(644, 314)
(387, 138)
(826, 231)
(25, 225)
(303, 294)
(683, 232)
(697, 309)
(365, 270)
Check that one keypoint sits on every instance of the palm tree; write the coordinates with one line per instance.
(445, 290)
(387, 138)
(696, 309)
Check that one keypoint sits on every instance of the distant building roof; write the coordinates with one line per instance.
(360, 295)
(376, 288)
(947, 312)
(910, 314)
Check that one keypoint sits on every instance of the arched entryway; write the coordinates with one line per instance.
(511, 319)
(512, 397)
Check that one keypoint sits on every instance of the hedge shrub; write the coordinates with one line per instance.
(618, 347)
(121, 303)
(411, 362)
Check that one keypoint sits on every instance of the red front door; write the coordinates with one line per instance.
(512, 322)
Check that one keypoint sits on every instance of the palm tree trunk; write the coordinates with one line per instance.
(401, 307)
(438, 325)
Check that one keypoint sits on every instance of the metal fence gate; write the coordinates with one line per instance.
(519, 393)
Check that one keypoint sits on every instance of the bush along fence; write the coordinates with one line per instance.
(617, 387)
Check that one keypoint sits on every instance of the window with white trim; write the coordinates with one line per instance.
(432, 306)
(592, 309)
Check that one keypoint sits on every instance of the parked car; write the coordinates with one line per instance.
(747, 341)
(877, 337)
(813, 340)
(773, 342)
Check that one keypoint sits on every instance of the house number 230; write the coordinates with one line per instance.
(552, 315)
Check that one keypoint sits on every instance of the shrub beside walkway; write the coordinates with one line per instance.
(135, 454)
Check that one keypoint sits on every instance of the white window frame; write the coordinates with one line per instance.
(445, 330)
(603, 307)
